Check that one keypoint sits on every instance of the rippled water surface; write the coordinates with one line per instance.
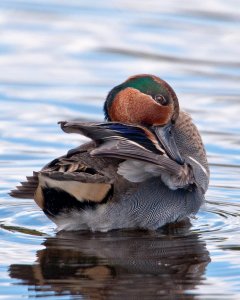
(58, 60)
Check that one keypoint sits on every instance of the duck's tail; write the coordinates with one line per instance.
(27, 188)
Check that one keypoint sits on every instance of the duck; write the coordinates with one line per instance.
(144, 167)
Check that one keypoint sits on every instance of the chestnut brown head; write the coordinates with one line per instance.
(142, 99)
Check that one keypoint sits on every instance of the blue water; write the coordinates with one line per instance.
(58, 60)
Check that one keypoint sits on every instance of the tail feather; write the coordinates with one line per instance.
(27, 188)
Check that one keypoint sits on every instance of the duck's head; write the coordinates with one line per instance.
(142, 99)
(149, 101)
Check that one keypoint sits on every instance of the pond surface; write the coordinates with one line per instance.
(58, 60)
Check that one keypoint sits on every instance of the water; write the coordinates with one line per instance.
(58, 60)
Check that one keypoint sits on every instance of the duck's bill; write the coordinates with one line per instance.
(167, 140)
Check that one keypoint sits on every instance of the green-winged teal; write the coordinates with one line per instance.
(145, 167)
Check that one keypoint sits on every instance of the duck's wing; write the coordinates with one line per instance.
(144, 157)
(114, 140)
(74, 180)
(123, 141)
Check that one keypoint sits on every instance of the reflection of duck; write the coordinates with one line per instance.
(145, 167)
(117, 265)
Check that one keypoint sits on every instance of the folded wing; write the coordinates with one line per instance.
(144, 157)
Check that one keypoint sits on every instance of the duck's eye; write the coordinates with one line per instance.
(161, 100)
